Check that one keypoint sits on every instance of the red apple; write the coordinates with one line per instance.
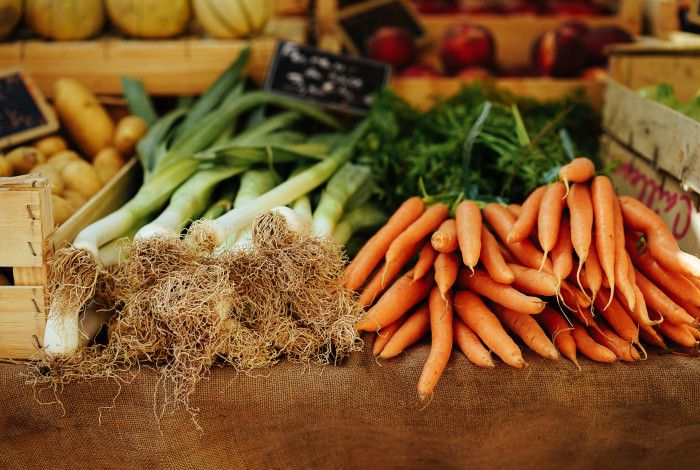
(579, 28)
(419, 70)
(602, 37)
(392, 45)
(430, 7)
(474, 74)
(575, 8)
(520, 7)
(465, 46)
(487, 8)
(560, 53)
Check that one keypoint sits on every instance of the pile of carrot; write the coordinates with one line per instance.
(574, 269)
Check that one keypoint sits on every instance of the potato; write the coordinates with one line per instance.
(23, 159)
(107, 163)
(59, 160)
(51, 145)
(74, 198)
(86, 120)
(5, 167)
(82, 177)
(51, 174)
(129, 130)
(62, 210)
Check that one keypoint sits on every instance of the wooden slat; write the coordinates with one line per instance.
(30, 276)
(21, 232)
(22, 321)
(637, 70)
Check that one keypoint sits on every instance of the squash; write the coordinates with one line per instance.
(230, 19)
(150, 18)
(10, 13)
(65, 20)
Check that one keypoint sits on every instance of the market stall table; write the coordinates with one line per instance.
(364, 414)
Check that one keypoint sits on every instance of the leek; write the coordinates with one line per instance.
(346, 181)
(364, 217)
(222, 205)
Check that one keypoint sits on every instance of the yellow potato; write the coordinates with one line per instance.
(51, 174)
(74, 198)
(83, 116)
(59, 160)
(51, 145)
(128, 132)
(80, 176)
(61, 209)
(5, 167)
(107, 163)
(23, 159)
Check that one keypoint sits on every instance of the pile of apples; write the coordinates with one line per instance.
(512, 7)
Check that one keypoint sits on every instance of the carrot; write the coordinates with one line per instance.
(561, 334)
(384, 335)
(572, 297)
(602, 194)
(515, 209)
(384, 276)
(659, 301)
(693, 331)
(502, 294)
(468, 217)
(622, 349)
(532, 281)
(661, 242)
(472, 310)
(426, 259)
(444, 239)
(376, 247)
(528, 330)
(441, 346)
(526, 220)
(492, 259)
(640, 314)
(594, 273)
(401, 297)
(677, 333)
(446, 270)
(524, 251)
(549, 217)
(672, 283)
(589, 348)
(651, 336)
(621, 263)
(507, 255)
(412, 330)
(418, 230)
(562, 260)
(617, 317)
(471, 345)
(581, 215)
(692, 310)
(579, 170)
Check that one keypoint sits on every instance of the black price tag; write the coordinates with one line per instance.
(334, 81)
(24, 114)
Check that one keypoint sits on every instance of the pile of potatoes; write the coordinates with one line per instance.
(102, 149)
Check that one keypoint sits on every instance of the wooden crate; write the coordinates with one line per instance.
(662, 136)
(292, 7)
(28, 237)
(183, 66)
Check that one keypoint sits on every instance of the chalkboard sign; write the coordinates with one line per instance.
(24, 114)
(358, 22)
(334, 81)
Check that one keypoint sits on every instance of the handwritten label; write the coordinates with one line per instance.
(334, 81)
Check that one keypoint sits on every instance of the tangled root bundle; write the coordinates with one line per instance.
(73, 276)
(182, 311)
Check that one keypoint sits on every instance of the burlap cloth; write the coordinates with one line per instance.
(364, 415)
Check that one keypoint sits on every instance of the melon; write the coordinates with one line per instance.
(150, 19)
(65, 20)
(231, 19)
(10, 13)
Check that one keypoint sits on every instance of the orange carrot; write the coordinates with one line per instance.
(412, 330)
(661, 242)
(507, 255)
(617, 317)
(528, 330)
(549, 216)
(579, 170)
(525, 223)
(384, 276)
(651, 336)
(468, 217)
(401, 297)
(656, 299)
(441, 345)
(502, 294)
(472, 310)
(572, 297)
(417, 231)
(602, 194)
(693, 331)
(589, 348)
(426, 259)
(594, 273)
(471, 345)
(581, 215)
(640, 314)
(693, 311)
(384, 335)
(560, 331)
(532, 281)
(677, 333)
(376, 247)
(622, 280)
(562, 260)
(622, 349)
(515, 209)
(446, 270)
(492, 259)
(525, 252)
(444, 239)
